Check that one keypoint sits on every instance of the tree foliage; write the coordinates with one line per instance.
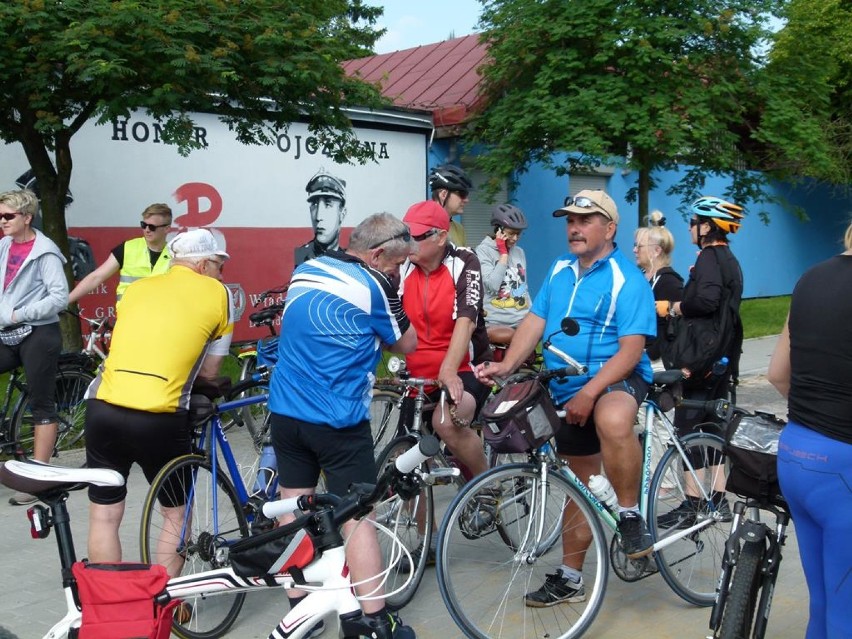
(648, 84)
(259, 65)
(812, 60)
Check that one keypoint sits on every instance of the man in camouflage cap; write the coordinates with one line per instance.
(327, 200)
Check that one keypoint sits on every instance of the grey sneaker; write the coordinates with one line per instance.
(405, 567)
(556, 590)
(635, 538)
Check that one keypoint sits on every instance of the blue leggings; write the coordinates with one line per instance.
(815, 472)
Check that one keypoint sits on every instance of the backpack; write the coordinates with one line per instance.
(696, 343)
(751, 444)
(82, 258)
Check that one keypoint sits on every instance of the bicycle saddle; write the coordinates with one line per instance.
(37, 478)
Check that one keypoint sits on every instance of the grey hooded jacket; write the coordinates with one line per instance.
(39, 289)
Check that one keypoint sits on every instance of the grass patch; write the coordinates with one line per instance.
(764, 316)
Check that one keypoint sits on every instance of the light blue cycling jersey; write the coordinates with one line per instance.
(337, 315)
(610, 300)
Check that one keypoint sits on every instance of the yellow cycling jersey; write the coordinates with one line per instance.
(163, 326)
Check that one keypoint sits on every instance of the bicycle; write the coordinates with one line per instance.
(17, 433)
(752, 557)
(503, 530)
(321, 562)
(221, 506)
(97, 339)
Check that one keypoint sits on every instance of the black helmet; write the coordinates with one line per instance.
(508, 216)
(449, 177)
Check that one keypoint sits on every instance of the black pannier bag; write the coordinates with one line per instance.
(519, 418)
(751, 443)
(288, 548)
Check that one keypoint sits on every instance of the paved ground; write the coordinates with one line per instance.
(31, 599)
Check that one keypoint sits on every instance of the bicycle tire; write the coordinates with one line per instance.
(69, 449)
(691, 565)
(384, 418)
(255, 417)
(411, 520)
(483, 580)
(191, 475)
(741, 602)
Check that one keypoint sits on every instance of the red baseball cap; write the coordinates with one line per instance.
(425, 216)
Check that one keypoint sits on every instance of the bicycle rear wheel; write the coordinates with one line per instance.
(70, 449)
(678, 500)
(483, 579)
(411, 521)
(255, 417)
(211, 522)
(384, 418)
(740, 604)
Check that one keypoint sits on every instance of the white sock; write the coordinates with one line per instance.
(572, 574)
(622, 509)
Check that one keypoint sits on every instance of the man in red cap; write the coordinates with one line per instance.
(441, 292)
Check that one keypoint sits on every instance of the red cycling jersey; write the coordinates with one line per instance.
(434, 301)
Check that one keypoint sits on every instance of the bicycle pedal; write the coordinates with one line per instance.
(441, 476)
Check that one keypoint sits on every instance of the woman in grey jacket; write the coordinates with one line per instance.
(33, 290)
(504, 274)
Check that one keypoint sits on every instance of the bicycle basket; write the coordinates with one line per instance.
(519, 418)
(751, 443)
(284, 549)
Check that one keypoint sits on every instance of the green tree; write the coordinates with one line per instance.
(647, 84)
(259, 65)
(812, 60)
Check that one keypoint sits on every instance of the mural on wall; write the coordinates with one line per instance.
(253, 198)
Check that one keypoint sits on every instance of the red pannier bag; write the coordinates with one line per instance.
(118, 601)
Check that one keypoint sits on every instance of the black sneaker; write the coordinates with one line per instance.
(388, 626)
(405, 567)
(635, 538)
(316, 631)
(556, 590)
(681, 517)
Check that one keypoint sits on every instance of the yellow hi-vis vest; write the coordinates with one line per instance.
(137, 264)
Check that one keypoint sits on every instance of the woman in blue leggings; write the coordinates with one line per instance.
(812, 367)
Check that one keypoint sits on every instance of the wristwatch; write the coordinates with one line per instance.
(672, 310)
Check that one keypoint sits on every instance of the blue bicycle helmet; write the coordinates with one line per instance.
(725, 215)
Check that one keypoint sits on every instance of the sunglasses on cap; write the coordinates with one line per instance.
(583, 202)
(9, 216)
(153, 227)
(402, 235)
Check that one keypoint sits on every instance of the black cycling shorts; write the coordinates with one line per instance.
(116, 437)
(477, 389)
(572, 439)
(303, 449)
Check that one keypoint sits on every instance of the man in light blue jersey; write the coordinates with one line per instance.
(341, 310)
(599, 287)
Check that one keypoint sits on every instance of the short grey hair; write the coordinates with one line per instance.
(24, 201)
(378, 229)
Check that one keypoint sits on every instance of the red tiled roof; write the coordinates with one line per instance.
(439, 77)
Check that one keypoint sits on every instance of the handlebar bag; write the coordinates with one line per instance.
(118, 601)
(519, 418)
(751, 443)
(278, 551)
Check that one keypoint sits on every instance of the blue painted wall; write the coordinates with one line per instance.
(773, 255)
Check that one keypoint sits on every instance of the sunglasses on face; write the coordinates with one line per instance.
(425, 236)
(694, 222)
(153, 227)
(9, 216)
(402, 235)
(462, 194)
(220, 266)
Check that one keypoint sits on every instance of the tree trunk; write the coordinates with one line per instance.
(644, 188)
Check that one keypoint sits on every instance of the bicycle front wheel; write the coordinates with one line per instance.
(681, 497)
(187, 522)
(69, 397)
(496, 544)
(411, 521)
(384, 418)
(740, 603)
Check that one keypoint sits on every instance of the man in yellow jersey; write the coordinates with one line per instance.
(169, 329)
(133, 259)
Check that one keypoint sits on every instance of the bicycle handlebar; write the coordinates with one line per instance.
(359, 497)
(722, 408)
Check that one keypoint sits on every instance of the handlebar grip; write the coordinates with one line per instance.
(273, 509)
(581, 368)
(412, 458)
